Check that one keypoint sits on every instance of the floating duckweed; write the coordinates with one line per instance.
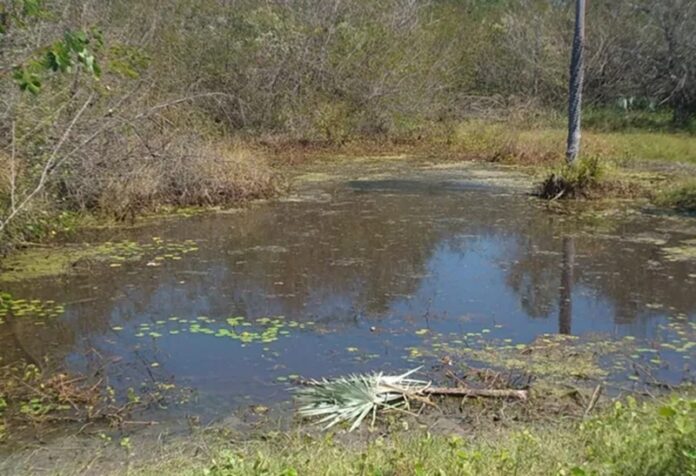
(685, 252)
(264, 330)
(34, 308)
(32, 264)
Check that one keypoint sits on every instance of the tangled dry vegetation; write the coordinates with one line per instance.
(33, 400)
(190, 175)
(120, 107)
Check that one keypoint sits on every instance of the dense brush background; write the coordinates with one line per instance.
(191, 90)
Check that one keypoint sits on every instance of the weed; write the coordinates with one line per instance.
(638, 439)
(578, 180)
(681, 197)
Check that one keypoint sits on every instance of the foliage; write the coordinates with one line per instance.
(643, 439)
(573, 181)
(682, 197)
(62, 56)
(135, 100)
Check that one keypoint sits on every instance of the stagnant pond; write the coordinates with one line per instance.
(374, 268)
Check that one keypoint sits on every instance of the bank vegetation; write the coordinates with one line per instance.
(123, 107)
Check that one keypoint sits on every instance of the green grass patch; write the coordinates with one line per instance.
(579, 180)
(510, 142)
(616, 120)
(629, 438)
(681, 197)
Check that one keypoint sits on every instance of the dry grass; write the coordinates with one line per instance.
(511, 142)
(219, 175)
(211, 174)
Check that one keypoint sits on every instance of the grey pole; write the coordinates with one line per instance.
(577, 76)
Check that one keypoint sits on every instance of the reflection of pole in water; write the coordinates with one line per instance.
(565, 305)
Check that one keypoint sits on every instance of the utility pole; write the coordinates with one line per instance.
(577, 76)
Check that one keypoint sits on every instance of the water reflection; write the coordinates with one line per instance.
(399, 256)
(565, 304)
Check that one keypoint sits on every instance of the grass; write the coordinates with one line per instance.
(222, 173)
(573, 181)
(635, 159)
(546, 143)
(681, 197)
(629, 438)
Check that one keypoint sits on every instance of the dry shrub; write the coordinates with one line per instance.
(123, 193)
(218, 175)
(126, 174)
(188, 175)
(532, 147)
(4, 178)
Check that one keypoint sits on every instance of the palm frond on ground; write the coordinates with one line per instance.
(350, 399)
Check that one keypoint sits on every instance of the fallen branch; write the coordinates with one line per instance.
(477, 392)
(593, 400)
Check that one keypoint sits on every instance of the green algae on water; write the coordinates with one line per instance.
(686, 251)
(47, 263)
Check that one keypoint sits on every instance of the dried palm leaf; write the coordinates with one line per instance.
(352, 398)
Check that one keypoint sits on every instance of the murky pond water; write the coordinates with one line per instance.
(359, 272)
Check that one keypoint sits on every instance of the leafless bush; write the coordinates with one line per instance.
(126, 174)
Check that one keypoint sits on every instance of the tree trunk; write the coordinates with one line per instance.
(577, 76)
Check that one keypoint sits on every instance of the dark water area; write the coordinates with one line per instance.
(358, 274)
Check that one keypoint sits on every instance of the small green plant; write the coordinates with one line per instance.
(573, 181)
(644, 438)
(126, 444)
(75, 49)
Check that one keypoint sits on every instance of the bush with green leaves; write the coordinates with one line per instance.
(573, 180)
